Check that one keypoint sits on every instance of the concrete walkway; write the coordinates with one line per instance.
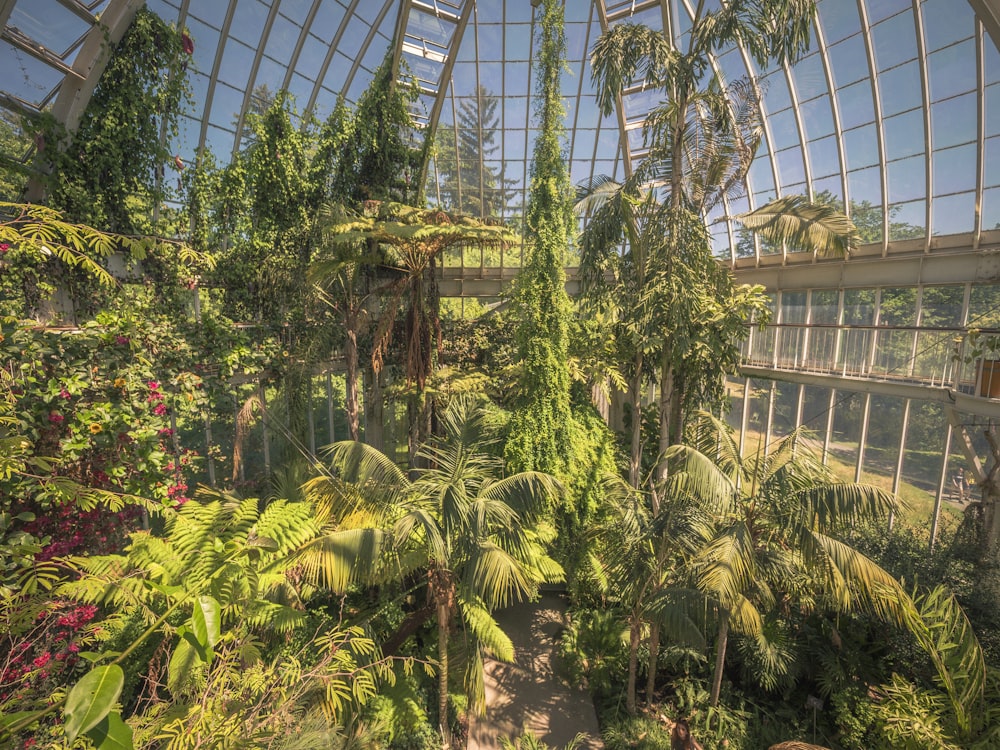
(526, 695)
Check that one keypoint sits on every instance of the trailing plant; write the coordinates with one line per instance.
(111, 171)
(540, 429)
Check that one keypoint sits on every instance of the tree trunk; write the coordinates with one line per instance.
(720, 659)
(635, 394)
(374, 416)
(666, 402)
(443, 621)
(654, 652)
(633, 665)
(351, 375)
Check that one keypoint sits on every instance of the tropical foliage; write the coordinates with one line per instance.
(348, 596)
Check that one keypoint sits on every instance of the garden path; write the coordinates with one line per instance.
(527, 695)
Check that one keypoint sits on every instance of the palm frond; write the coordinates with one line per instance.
(497, 577)
(338, 558)
(799, 223)
(481, 624)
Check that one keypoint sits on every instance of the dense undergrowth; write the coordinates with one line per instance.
(344, 597)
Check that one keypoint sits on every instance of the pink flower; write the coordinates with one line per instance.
(56, 418)
(121, 340)
(42, 660)
(160, 409)
(166, 432)
(4, 247)
(153, 385)
(63, 393)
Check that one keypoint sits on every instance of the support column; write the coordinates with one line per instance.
(940, 490)
(899, 459)
(866, 414)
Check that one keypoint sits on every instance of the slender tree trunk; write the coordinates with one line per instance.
(633, 665)
(677, 412)
(654, 652)
(720, 659)
(635, 394)
(351, 375)
(374, 415)
(443, 621)
(666, 402)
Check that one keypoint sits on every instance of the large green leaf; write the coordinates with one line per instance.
(92, 698)
(182, 661)
(111, 733)
(205, 622)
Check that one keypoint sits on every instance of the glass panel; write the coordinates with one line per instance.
(955, 169)
(237, 60)
(894, 349)
(817, 117)
(776, 95)
(885, 431)
(26, 77)
(790, 167)
(861, 147)
(784, 131)
(856, 105)
(282, 39)
(249, 20)
(992, 171)
(865, 186)
(946, 22)
(823, 157)
(793, 307)
(904, 135)
(894, 40)
(809, 77)
(908, 220)
(327, 20)
(839, 19)
(907, 179)
(953, 214)
(991, 208)
(952, 70)
(213, 14)
(786, 405)
(760, 392)
(993, 110)
(953, 121)
(900, 89)
(824, 306)
(984, 306)
(815, 407)
(829, 191)
(846, 436)
(49, 23)
(923, 458)
(879, 9)
(848, 60)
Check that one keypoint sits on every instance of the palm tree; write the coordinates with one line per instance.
(637, 557)
(466, 527)
(702, 141)
(771, 536)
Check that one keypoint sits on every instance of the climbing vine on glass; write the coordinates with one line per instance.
(112, 171)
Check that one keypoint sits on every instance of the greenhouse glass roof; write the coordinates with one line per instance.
(894, 113)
